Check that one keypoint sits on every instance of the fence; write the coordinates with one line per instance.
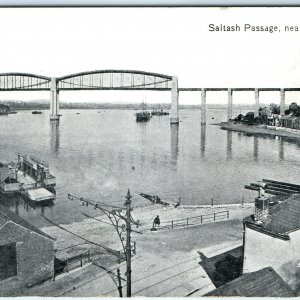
(71, 263)
(212, 217)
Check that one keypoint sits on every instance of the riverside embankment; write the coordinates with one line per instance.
(261, 130)
(166, 262)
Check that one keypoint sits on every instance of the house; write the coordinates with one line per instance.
(263, 283)
(26, 253)
(272, 238)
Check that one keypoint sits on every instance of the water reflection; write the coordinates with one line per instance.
(17, 203)
(255, 148)
(143, 132)
(55, 137)
(229, 145)
(203, 139)
(281, 149)
(174, 143)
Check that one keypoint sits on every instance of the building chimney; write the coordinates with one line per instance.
(261, 213)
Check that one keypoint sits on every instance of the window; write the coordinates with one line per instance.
(8, 261)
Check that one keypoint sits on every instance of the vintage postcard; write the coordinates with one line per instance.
(150, 152)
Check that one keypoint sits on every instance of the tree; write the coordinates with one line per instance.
(274, 109)
(294, 108)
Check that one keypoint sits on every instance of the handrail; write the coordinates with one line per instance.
(195, 217)
(194, 220)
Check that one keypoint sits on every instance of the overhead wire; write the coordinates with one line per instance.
(111, 251)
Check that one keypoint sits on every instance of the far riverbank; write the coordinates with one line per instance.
(261, 130)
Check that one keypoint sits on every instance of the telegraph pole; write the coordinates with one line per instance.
(128, 242)
(119, 283)
(115, 216)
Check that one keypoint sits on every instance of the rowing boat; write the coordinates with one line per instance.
(157, 200)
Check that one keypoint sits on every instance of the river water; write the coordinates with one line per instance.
(99, 154)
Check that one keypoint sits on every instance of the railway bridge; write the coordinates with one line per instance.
(122, 80)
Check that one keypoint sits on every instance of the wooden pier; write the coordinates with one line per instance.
(274, 187)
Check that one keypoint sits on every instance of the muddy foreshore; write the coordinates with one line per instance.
(261, 130)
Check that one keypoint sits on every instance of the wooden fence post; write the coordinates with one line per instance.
(172, 225)
(227, 214)
(81, 260)
(201, 219)
(214, 216)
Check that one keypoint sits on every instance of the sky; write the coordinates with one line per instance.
(171, 41)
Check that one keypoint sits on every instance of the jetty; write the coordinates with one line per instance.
(273, 187)
(29, 177)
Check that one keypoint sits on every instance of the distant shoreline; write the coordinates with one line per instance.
(45, 105)
(259, 130)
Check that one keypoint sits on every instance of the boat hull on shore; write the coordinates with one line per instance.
(156, 200)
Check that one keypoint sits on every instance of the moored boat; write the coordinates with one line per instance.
(143, 116)
(36, 112)
(159, 112)
(155, 199)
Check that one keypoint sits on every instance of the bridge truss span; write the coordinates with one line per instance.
(115, 80)
(24, 82)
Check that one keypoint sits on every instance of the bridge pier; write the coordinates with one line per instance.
(282, 102)
(203, 106)
(54, 100)
(229, 105)
(174, 117)
(256, 105)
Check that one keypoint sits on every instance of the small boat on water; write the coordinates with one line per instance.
(143, 115)
(157, 200)
(159, 112)
(36, 112)
(12, 112)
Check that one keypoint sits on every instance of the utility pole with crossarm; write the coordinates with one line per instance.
(128, 243)
(115, 216)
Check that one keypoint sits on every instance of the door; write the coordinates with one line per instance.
(8, 261)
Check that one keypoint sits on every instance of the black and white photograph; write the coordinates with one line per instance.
(150, 151)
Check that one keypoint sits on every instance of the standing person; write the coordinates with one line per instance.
(156, 221)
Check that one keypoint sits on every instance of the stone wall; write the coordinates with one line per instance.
(35, 254)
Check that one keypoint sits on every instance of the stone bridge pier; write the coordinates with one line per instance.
(54, 100)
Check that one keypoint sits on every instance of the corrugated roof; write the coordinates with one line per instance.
(285, 216)
(263, 283)
(20, 221)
